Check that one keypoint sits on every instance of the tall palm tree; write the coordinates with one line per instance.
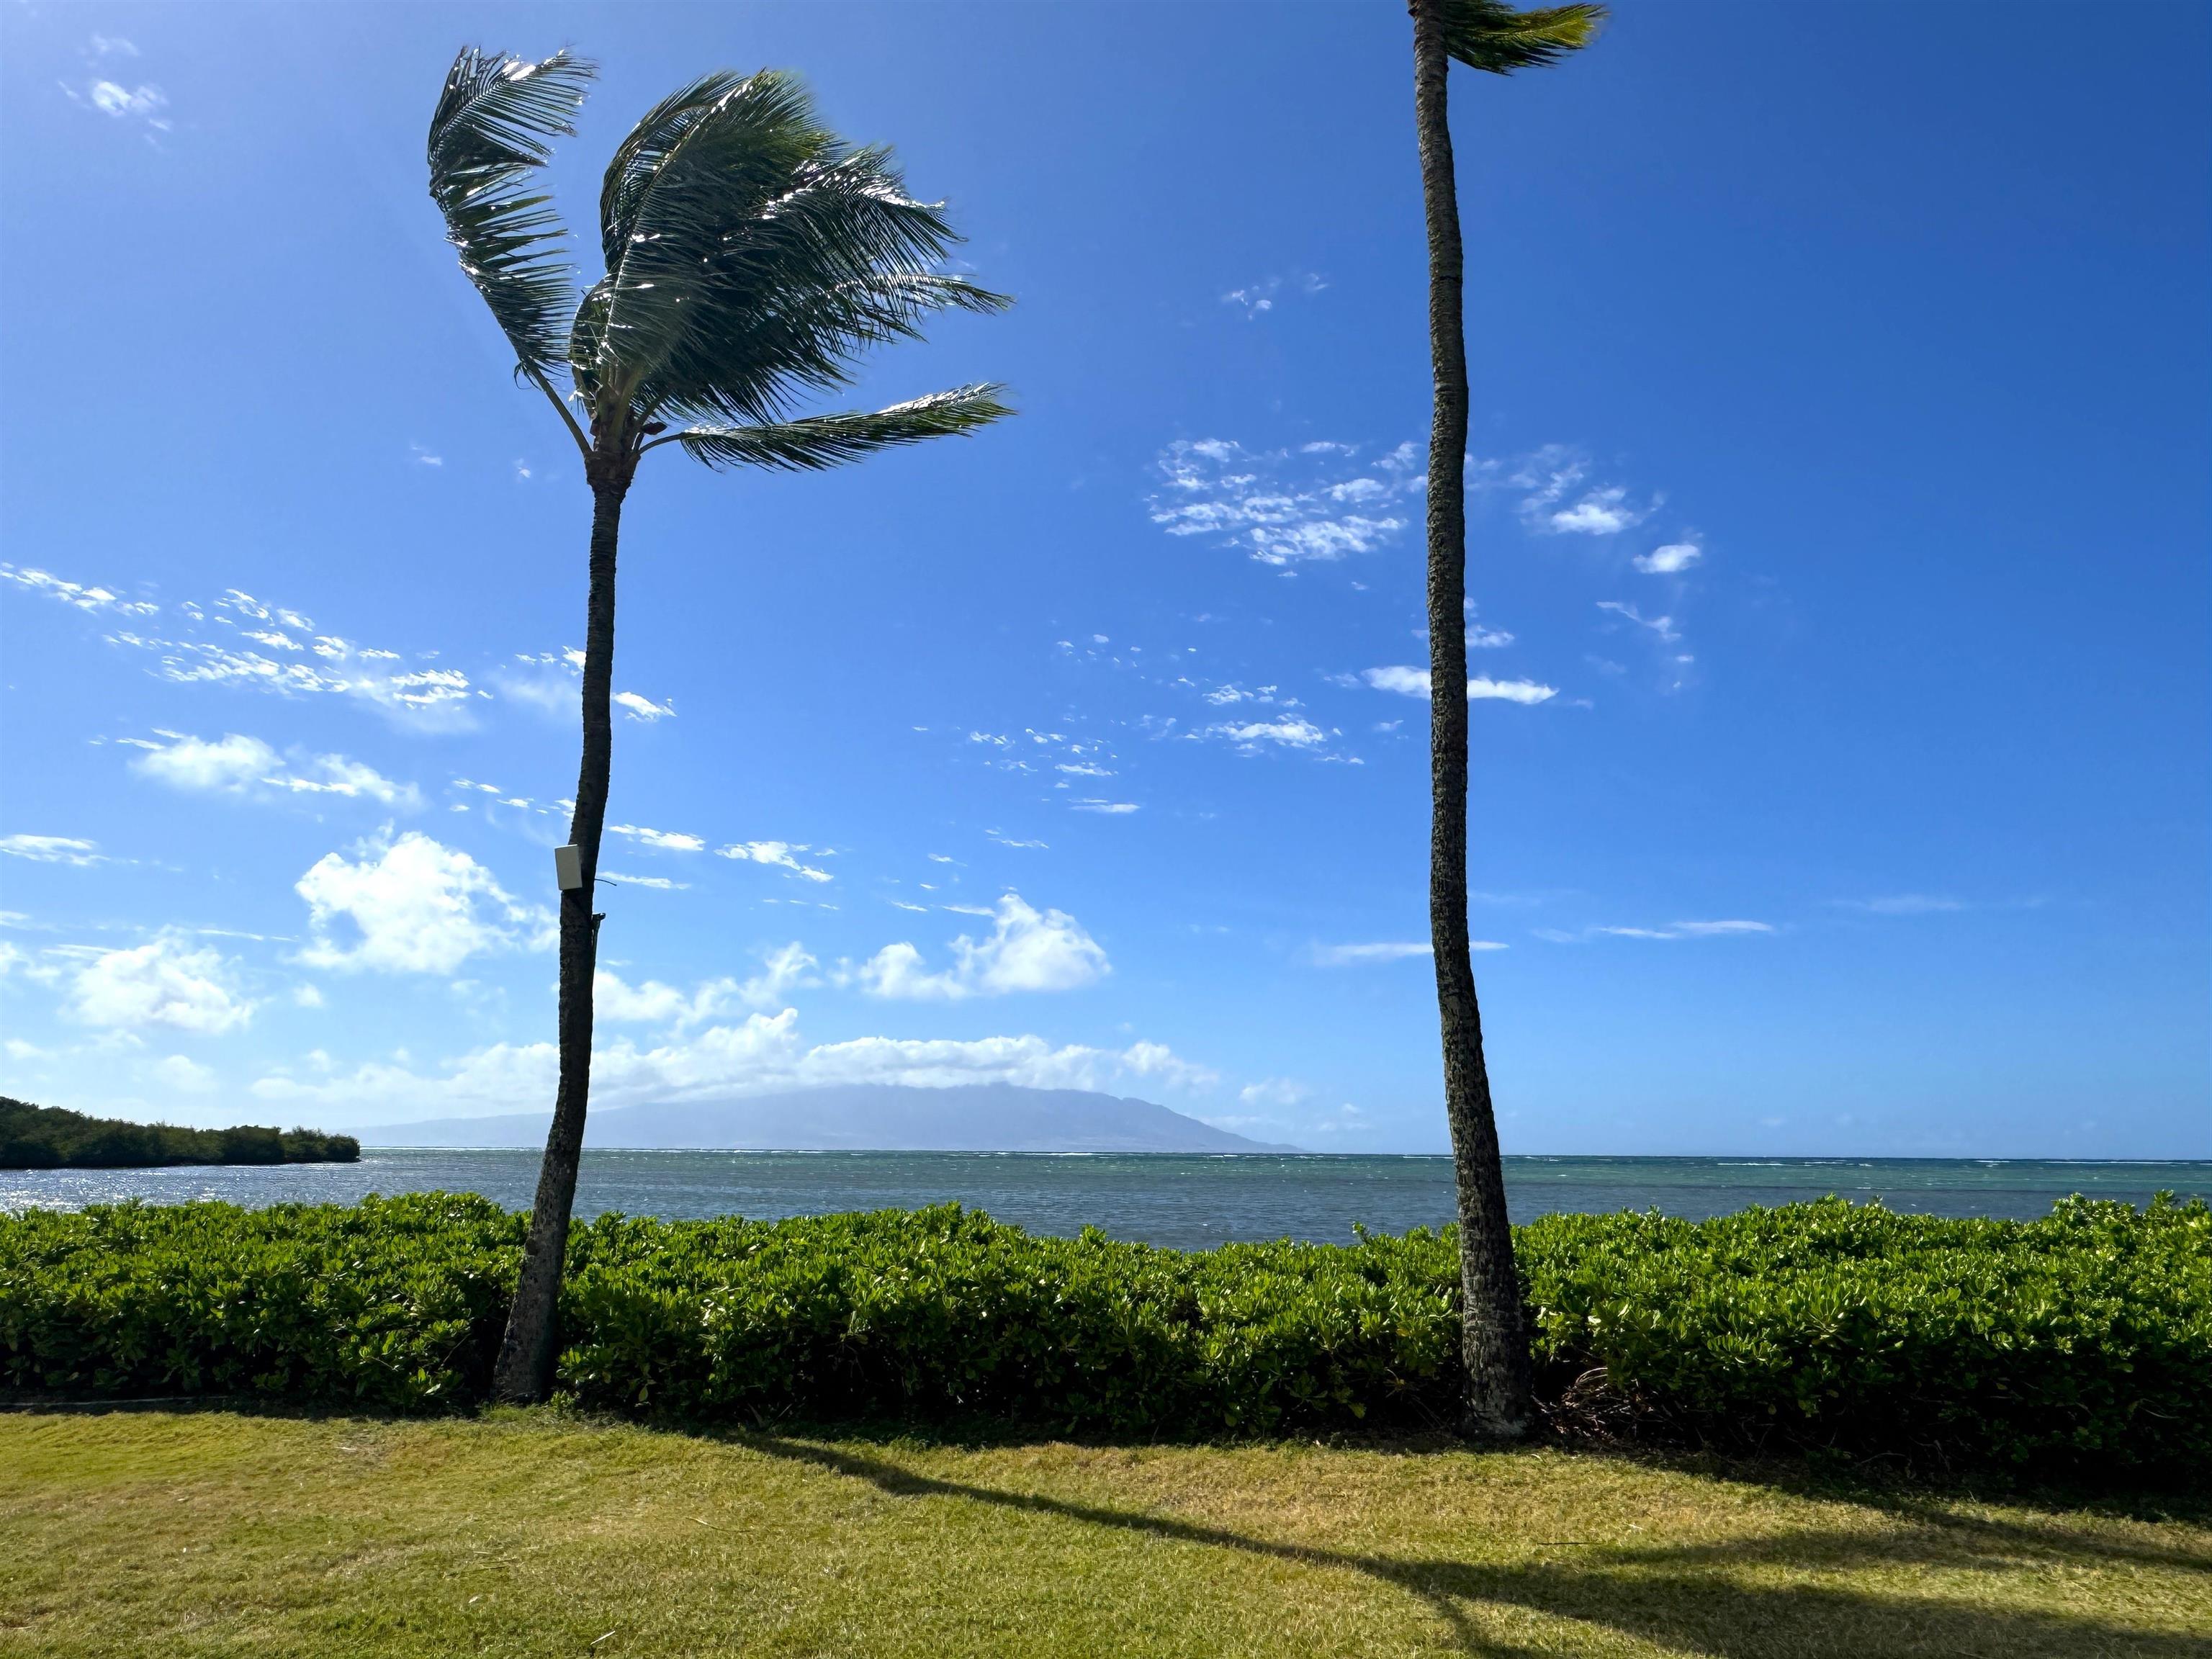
(751, 255)
(1486, 35)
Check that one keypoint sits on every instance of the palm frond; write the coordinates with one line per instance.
(753, 255)
(487, 138)
(817, 441)
(1485, 34)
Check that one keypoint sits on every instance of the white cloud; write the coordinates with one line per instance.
(236, 764)
(1526, 692)
(1408, 681)
(668, 841)
(1111, 808)
(418, 908)
(1274, 1092)
(52, 849)
(1028, 949)
(781, 853)
(1667, 560)
(641, 708)
(765, 1053)
(1283, 509)
(185, 1075)
(659, 883)
(166, 981)
(141, 102)
(654, 1004)
(1601, 512)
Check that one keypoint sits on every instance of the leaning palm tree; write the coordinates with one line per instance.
(751, 255)
(1483, 34)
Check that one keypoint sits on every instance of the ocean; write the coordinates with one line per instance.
(1183, 1201)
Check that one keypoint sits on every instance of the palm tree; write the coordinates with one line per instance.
(751, 254)
(1486, 35)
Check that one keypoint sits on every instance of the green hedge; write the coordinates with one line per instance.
(2080, 1344)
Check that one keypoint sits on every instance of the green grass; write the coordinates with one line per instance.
(147, 1532)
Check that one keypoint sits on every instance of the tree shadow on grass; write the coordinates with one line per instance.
(1673, 1596)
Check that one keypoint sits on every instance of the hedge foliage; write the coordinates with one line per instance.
(2081, 1344)
(49, 1138)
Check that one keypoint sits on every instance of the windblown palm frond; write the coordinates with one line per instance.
(1485, 34)
(752, 255)
(487, 137)
(816, 441)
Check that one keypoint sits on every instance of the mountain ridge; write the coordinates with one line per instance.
(980, 1117)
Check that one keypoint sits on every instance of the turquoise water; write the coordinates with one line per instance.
(1161, 1199)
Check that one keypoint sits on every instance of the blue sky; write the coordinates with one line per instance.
(1837, 553)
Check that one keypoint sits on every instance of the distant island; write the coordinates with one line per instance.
(49, 1138)
(984, 1117)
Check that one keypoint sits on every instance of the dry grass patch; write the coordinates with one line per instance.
(150, 1533)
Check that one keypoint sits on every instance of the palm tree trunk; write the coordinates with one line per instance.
(525, 1370)
(1494, 1338)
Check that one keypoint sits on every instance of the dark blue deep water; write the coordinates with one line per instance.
(1161, 1199)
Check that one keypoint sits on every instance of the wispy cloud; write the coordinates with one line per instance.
(1111, 808)
(83, 597)
(1903, 904)
(1663, 627)
(1257, 299)
(781, 853)
(1728, 927)
(1410, 682)
(1285, 508)
(666, 840)
(238, 765)
(1256, 737)
(52, 849)
(1363, 955)
(551, 682)
(1560, 494)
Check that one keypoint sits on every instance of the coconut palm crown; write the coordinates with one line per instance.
(1488, 35)
(751, 255)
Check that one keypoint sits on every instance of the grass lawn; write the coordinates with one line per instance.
(143, 1531)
